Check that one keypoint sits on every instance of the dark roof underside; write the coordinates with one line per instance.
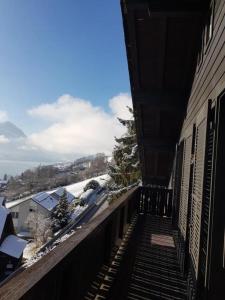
(162, 45)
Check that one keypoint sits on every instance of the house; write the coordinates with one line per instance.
(2, 200)
(11, 246)
(42, 203)
(45, 202)
(3, 184)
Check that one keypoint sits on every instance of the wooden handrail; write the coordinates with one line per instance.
(25, 279)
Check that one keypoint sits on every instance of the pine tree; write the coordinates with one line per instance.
(92, 184)
(60, 215)
(125, 170)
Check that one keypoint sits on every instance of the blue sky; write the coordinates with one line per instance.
(63, 78)
(52, 47)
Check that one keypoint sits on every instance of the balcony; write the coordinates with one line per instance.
(127, 252)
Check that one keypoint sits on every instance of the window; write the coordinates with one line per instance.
(206, 35)
(209, 24)
(201, 51)
(15, 214)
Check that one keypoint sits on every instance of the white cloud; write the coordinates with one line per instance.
(3, 139)
(3, 116)
(118, 105)
(78, 127)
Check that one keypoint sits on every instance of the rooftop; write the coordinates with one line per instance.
(13, 246)
(3, 215)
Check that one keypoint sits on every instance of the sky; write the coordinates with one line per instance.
(63, 69)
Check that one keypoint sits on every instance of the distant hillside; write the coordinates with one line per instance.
(11, 131)
(47, 177)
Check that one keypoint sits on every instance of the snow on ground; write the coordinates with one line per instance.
(29, 250)
(34, 258)
(76, 189)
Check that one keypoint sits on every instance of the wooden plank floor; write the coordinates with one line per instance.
(155, 273)
(146, 266)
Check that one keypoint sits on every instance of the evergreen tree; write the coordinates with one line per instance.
(60, 215)
(92, 184)
(125, 169)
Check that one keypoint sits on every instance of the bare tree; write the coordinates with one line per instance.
(40, 228)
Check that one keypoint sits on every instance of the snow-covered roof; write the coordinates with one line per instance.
(86, 194)
(3, 181)
(40, 196)
(13, 246)
(45, 200)
(3, 215)
(24, 234)
(16, 202)
(77, 188)
(49, 200)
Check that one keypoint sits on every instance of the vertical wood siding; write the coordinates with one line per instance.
(206, 203)
(209, 79)
(185, 187)
(197, 192)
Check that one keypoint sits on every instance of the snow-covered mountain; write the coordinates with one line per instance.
(11, 131)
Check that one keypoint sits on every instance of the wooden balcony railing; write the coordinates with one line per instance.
(156, 201)
(67, 270)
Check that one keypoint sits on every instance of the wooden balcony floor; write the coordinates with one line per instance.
(155, 273)
(147, 268)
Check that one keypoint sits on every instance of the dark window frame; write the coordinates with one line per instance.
(15, 214)
(207, 35)
(209, 26)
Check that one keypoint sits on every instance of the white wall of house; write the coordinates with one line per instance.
(21, 213)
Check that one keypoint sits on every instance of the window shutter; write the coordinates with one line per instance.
(185, 187)
(197, 191)
(207, 196)
(177, 183)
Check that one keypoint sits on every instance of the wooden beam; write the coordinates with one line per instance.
(169, 100)
(165, 5)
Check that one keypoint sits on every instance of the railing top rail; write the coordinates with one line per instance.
(161, 188)
(15, 286)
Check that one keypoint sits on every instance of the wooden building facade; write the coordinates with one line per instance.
(176, 58)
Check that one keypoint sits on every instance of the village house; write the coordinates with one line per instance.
(42, 203)
(11, 246)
